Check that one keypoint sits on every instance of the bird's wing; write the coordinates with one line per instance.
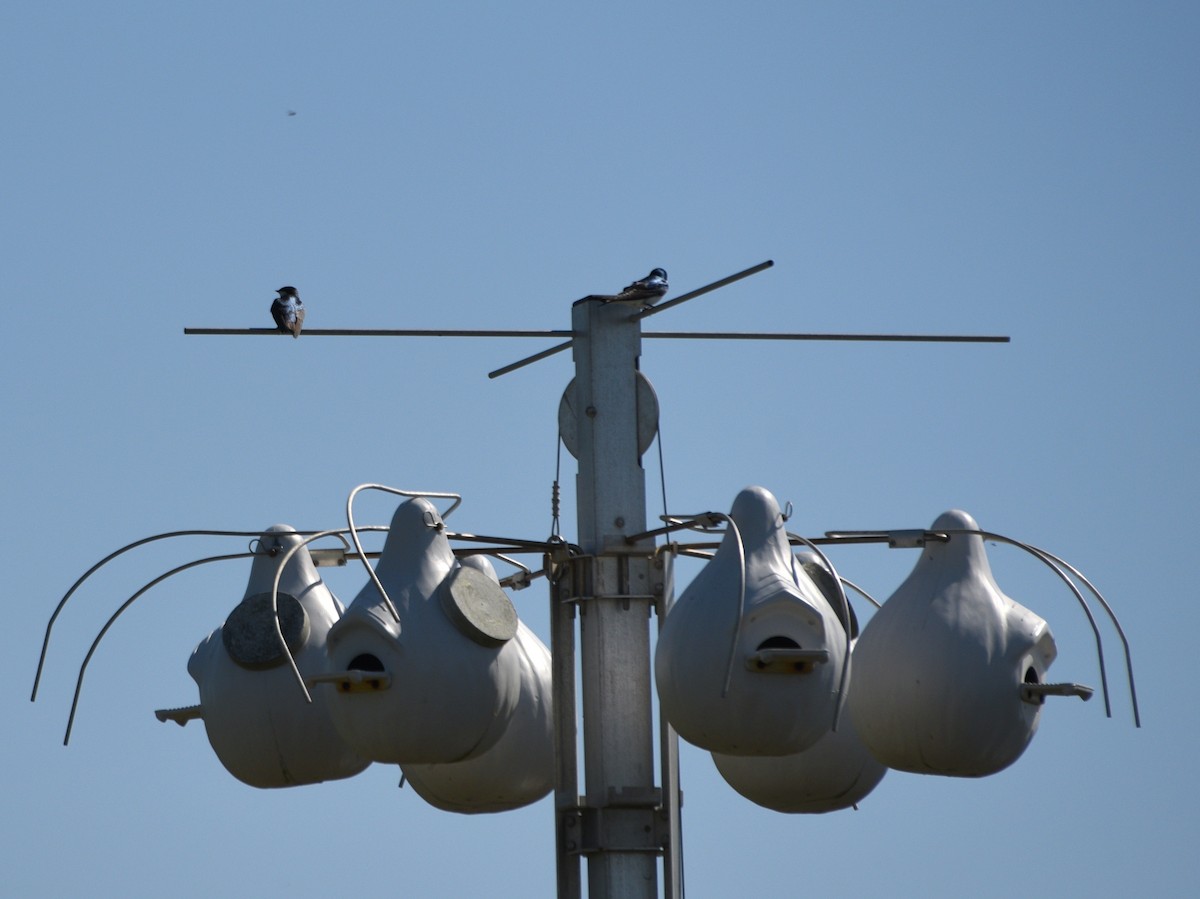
(279, 313)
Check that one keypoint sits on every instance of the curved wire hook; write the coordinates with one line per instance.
(124, 549)
(115, 615)
(526, 573)
(1049, 557)
(1045, 560)
(737, 533)
(515, 563)
(413, 494)
(256, 543)
(287, 557)
(837, 579)
(1137, 718)
(336, 532)
(861, 592)
(358, 544)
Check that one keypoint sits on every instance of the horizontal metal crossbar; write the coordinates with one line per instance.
(377, 332)
(893, 338)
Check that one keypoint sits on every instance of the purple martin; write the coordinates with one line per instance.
(288, 311)
(646, 290)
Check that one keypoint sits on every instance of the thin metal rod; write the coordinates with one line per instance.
(512, 544)
(567, 821)
(387, 600)
(1053, 562)
(692, 523)
(1042, 557)
(891, 338)
(863, 593)
(894, 539)
(279, 569)
(537, 357)
(700, 291)
(1137, 717)
(696, 549)
(529, 360)
(112, 555)
(673, 885)
(115, 615)
(375, 332)
(741, 608)
(837, 579)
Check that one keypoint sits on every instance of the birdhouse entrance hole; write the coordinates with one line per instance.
(365, 662)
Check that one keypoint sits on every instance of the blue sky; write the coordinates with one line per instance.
(1025, 169)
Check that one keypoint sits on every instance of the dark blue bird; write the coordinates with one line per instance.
(646, 290)
(288, 311)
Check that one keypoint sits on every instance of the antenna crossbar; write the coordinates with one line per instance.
(650, 310)
(377, 332)
(636, 316)
(894, 338)
(529, 360)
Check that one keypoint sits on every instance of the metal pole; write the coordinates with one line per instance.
(615, 601)
(668, 742)
(567, 824)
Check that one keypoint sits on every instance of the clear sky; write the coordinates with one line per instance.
(1024, 168)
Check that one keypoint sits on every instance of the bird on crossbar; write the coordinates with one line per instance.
(644, 291)
(288, 311)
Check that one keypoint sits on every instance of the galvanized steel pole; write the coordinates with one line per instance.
(618, 813)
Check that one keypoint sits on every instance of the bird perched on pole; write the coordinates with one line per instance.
(288, 311)
(646, 290)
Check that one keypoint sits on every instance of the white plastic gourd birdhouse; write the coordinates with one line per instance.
(939, 670)
(750, 657)
(421, 676)
(258, 721)
(836, 773)
(519, 768)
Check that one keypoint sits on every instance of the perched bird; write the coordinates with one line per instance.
(645, 291)
(288, 311)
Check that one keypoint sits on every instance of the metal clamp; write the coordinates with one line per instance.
(632, 578)
(632, 820)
